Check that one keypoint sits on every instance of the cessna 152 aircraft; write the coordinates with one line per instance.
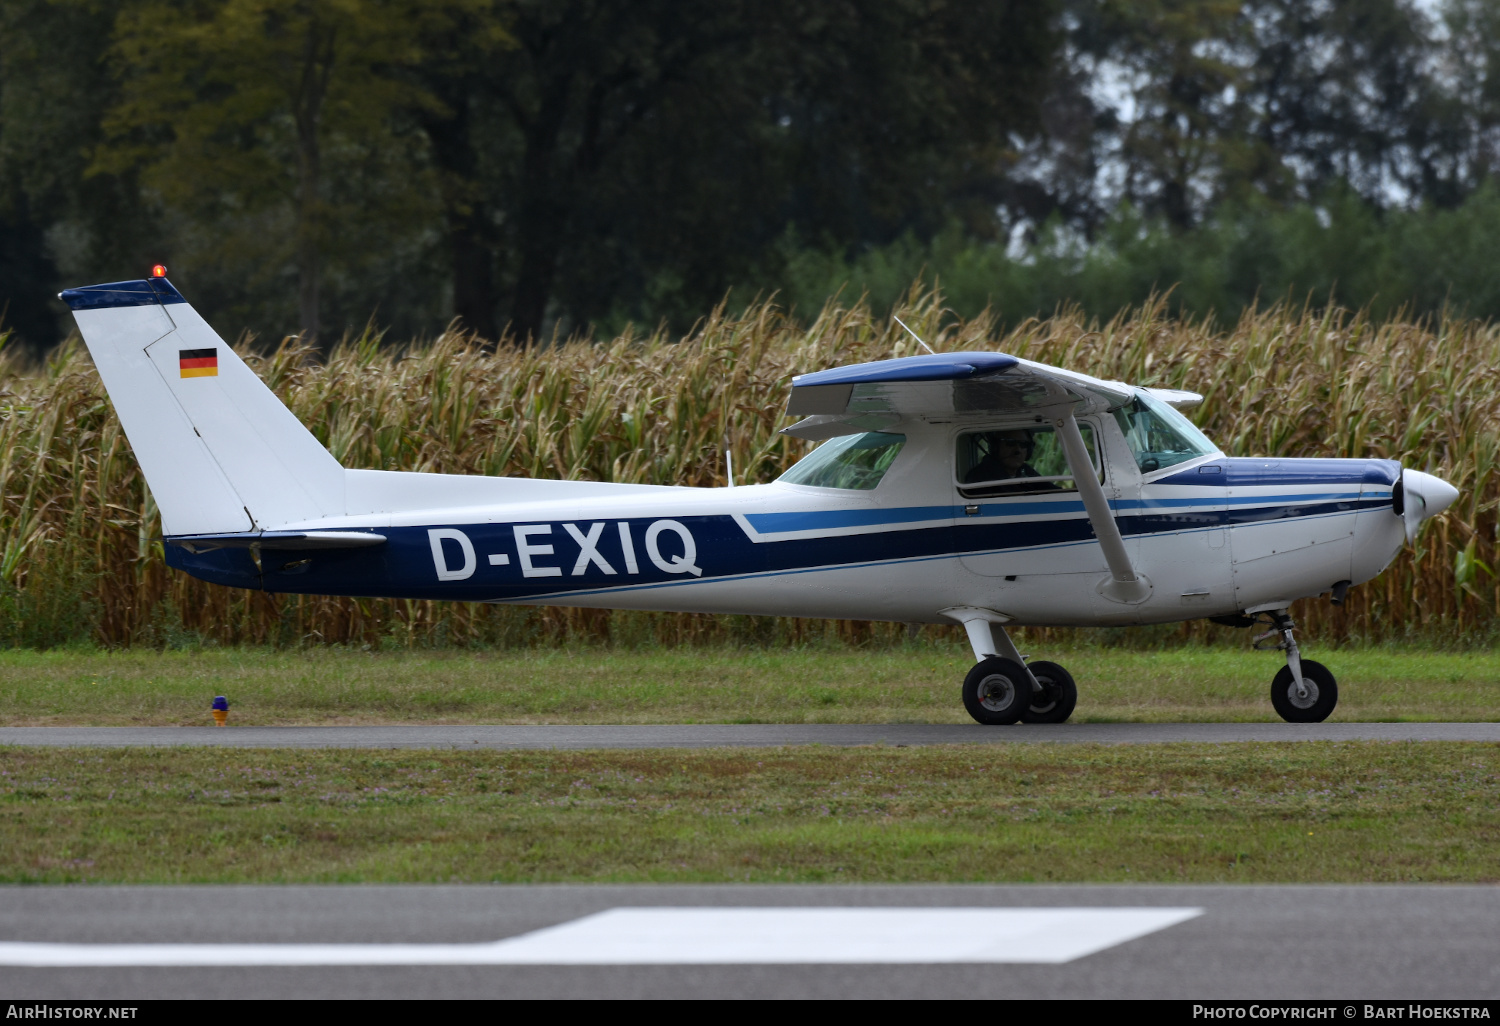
(967, 487)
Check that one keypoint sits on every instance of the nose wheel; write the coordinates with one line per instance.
(1310, 703)
(1302, 691)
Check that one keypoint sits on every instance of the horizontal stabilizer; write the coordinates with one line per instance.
(274, 540)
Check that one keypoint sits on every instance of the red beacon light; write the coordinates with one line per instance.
(159, 271)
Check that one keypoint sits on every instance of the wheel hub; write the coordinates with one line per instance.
(1306, 698)
(997, 692)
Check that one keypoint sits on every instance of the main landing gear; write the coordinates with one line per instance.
(1002, 688)
(1302, 691)
(1055, 697)
(1002, 691)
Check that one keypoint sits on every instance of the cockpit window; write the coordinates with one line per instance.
(850, 461)
(1023, 460)
(1159, 436)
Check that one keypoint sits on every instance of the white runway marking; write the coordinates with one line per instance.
(692, 936)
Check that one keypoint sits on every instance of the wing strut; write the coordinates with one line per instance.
(1127, 585)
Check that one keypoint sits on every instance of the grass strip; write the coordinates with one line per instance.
(918, 684)
(1309, 812)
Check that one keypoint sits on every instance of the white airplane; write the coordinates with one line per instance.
(975, 488)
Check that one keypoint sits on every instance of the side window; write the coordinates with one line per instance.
(1016, 461)
(851, 461)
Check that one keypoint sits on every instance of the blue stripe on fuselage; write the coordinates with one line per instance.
(837, 519)
(823, 520)
(404, 567)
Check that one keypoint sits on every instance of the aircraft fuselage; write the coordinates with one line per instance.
(1213, 537)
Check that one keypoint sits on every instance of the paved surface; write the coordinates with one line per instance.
(677, 735)
(1337, 942)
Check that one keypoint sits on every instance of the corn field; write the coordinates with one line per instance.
(82, 557)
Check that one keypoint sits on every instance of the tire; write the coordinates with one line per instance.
(996, 691)
(1323, 694)
(1055, 702)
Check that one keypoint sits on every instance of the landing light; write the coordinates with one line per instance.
(159, 271)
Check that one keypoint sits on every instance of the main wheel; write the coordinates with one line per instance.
(996, 691)
(1322, 694)
(1055, 702)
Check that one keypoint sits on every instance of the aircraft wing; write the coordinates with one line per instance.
(1175, 397)
(870, 396)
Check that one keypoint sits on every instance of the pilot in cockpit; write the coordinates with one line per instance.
(1007, 456)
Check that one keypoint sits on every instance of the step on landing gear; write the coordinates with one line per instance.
(1302, 691)
(1003, 688)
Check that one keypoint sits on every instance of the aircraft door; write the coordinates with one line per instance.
(1018, 513)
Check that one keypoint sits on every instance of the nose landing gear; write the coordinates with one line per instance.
(1302, 691)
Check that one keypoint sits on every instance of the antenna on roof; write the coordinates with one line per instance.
(914, 335)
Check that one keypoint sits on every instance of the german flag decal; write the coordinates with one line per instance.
(198, 363)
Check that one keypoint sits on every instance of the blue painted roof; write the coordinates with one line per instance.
(122, 293)
(927, 367)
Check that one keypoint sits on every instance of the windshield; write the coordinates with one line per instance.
(1159, 436)
(851, 461)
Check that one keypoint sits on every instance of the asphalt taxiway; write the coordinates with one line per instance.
(1256, 942)
(738, 735)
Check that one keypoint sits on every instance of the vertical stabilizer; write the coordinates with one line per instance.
(220, 452)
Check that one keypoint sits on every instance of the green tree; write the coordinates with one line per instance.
(240, 109)
(1185, 140)
(637, 158)
(459, 84)
(55, 229)
(1473, 59)
(1345, 91)
(1181, 106)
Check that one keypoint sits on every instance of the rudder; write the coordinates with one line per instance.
(220, 452)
